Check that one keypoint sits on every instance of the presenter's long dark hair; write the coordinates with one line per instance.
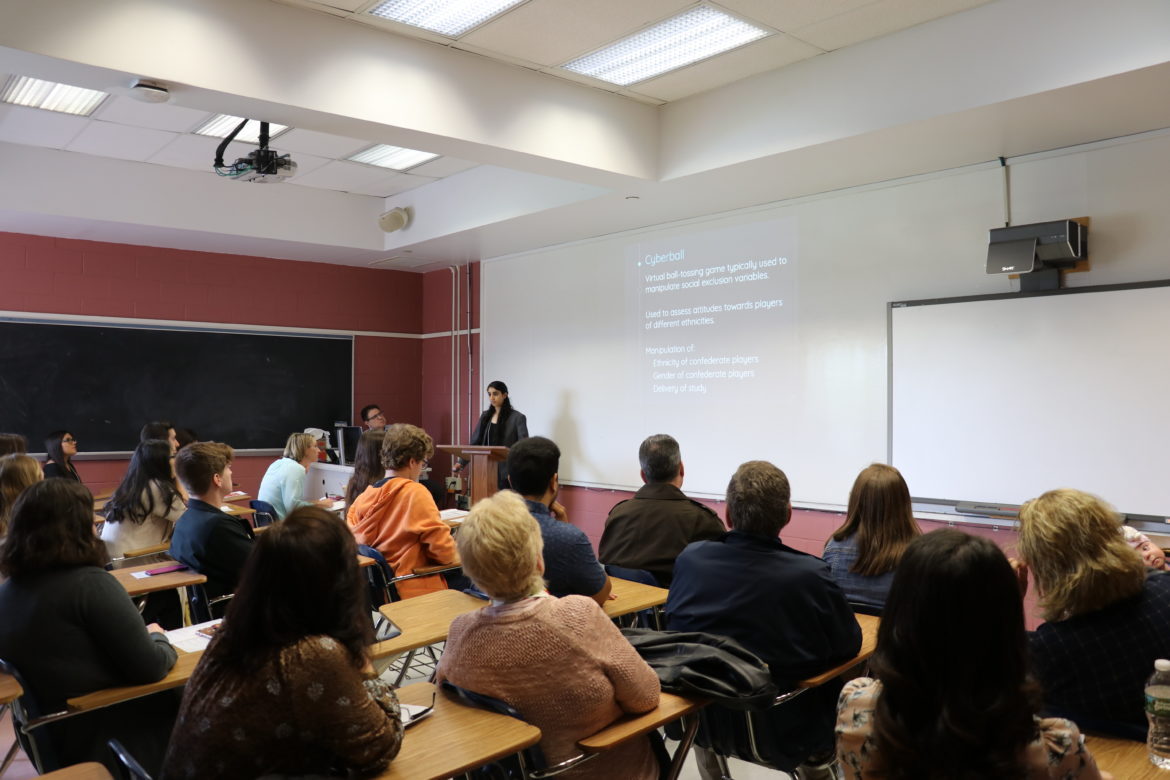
(367, 465)
(134, 501)
(505, 408)
(300, 580)
(957, 699)
(56, 453)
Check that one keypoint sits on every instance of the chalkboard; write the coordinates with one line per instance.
(103, 382)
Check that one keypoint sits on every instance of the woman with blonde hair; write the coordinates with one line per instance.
(283, 484)
(511, 649)
(1106, 621)
(863, 553)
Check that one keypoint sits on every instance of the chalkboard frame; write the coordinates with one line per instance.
(308, 372)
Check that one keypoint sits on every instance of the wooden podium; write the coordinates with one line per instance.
(485, 466)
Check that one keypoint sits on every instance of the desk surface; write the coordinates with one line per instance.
(175, 678)
(869, 628)
(9, 688)
(141, 586)
(1125, 759)
(454, 738)
(424, 620)
(670, 708)
(633, 597)
(90, 770)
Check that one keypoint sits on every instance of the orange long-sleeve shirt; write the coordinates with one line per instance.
(399, 519)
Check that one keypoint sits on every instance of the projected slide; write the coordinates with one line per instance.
(712, 318)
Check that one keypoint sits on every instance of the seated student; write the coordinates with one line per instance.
(12, 444)
(397, 516)
(367, 464)
(208, 540)
(374, 418)
(143, 510)
(61, 446)
(1152, 555)
(1106, 620)
(955, 698)
(561, 663)
(780, 604)
(569, 563)
(17, 472)
(283, 484)
(71, 629)
(286, 686)
(864, 551)
(649, 530)
(160, 429)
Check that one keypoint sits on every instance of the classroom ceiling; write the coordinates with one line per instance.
(844, 92)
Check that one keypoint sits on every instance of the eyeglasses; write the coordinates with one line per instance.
(378, 416)
(69, 441)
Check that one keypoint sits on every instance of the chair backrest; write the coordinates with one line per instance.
(379, 577)
(865, 609)
(533, 756)
(264, 513)
(37, 744)
(132, 769)
(633, 575)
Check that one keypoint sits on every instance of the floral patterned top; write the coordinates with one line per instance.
(1058, 753)
(307, 711)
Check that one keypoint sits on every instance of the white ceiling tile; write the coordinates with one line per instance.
(498, 56)
(878, 19)
(197, 152)
(107, 139)
(766, 54)
(306, 163)
(342, 176)
(160, 116)
(32, 126)
(391, 185)
(791, 14)
(551, 32)
(323, 144)
(442, 167)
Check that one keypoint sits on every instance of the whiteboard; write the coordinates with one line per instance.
(1000, 398)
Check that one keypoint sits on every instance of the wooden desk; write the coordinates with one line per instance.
(424, 620)
(175, 678)
(454, 738)
(869, 628)
(1125, 759)
(10, 689)
(90, 770)
(362, 559)
(236, 497)
(236, 510)
(436, 568)
(633, 597)
(140, 587)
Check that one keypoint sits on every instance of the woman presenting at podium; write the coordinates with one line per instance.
(500, 425)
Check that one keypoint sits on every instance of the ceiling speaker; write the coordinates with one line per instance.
(394, 219)
(149, 93)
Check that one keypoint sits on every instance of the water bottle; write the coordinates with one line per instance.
(1158, 712)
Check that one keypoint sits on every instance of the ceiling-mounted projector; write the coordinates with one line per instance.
(262, 165)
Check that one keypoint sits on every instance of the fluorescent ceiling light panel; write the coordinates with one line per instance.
(51, 96)
(695, 35)
(222, 124)
(445, 17)
(395, 157)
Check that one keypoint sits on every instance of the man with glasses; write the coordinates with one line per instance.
(373, 418)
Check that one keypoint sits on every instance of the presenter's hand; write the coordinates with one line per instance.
(1021, 570)
(558, 512)
(457, 467)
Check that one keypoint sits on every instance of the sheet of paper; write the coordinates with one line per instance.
(188, 639)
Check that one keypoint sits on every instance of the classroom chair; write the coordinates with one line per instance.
(264, 513)
(131, 769)
(202, 608)
(27, 717)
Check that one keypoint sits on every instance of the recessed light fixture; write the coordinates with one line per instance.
(222, 124)
(691, 36)
(51, 96)
(445, 17)
(386, 156)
